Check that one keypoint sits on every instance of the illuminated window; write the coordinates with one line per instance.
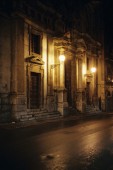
(35, 41)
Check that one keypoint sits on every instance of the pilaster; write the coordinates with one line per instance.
(62, 103)
(17, 91)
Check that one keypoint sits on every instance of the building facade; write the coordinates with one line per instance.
(109, 84)
(34, 81)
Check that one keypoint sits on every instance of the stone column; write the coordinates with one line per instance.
(62, 101)
(62, 92)
(79, 74)
(17, 91)
(73, 81)
(79, 89)
(44, 56)
(62, 74)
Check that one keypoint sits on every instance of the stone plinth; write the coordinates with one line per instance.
(80, 101)
(18, 106)
(62, 104)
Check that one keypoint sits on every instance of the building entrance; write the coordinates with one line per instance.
(88, 97)
(68, 80)
(35, 90)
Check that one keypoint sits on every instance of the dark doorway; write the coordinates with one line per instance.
(68, 80)
(35, 90)
(88, 98)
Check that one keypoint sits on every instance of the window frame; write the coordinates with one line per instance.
(35, 34)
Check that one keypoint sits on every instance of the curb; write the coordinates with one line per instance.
(14, 125)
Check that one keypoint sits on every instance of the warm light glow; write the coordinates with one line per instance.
(83, 69)
(62, 57)
(93, 69)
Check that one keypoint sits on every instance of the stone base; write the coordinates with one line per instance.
(51, 103)
(63, 108)
(62, 104)
(5, 107)
(18, 106)
(80, 102)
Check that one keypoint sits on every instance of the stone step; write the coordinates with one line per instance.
(72, 110)
(46, 115)
(40, 116)
(33, 112)
(92, 109)
(37, 110)
(26, 116)
(48, 118)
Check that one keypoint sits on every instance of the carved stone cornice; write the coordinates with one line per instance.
(80, 43)
(61, 43)
(34, 59)
(66, 45)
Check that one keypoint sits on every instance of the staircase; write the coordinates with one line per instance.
(90, 109)
(39, 114)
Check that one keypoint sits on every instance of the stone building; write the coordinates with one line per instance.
(27, 52)
(34, 80)
(109, 84)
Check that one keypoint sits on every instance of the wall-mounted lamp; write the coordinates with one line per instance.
(54, 65)
(93, 70)
(90, 73)
(62, 57)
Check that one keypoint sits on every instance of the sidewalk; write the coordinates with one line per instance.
(75, 117)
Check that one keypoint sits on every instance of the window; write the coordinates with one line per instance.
(35, 43)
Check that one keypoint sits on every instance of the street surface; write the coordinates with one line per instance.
(85, 145)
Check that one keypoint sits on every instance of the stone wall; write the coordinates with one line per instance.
(5, 69)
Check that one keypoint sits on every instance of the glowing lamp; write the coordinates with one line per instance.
(93, 69)
(62, 57)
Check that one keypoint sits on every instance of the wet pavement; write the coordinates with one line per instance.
(65, 145)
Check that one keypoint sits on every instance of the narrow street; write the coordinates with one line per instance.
(86, 145)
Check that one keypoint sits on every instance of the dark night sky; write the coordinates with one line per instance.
(68, 7)
(73, 8)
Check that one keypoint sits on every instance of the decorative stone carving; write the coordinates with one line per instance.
(35, 60)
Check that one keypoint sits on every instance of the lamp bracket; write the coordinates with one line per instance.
(54, 65)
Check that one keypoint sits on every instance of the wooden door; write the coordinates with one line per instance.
(35, 90)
